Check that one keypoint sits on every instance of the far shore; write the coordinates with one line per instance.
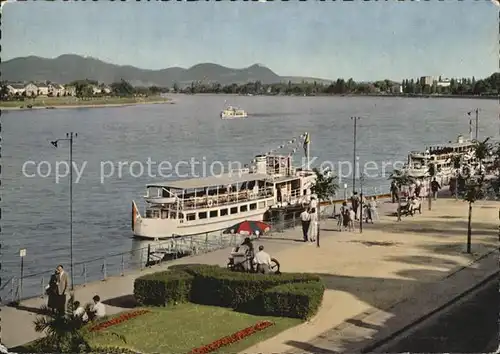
(61, 103)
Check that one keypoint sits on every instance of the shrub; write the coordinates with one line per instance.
(221, 287)
(163, 287)
(288, 294)
(297, 300)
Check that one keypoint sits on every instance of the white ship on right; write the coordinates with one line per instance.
(442, 157)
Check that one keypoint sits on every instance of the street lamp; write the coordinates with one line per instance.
(69, 137)
(355, 121)
(477, 121)
(361, 203)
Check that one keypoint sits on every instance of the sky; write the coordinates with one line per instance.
(359, 40)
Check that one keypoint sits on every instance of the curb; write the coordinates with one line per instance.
(382, 342)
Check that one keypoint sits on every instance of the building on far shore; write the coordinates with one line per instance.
(426, 80)
(55, 90)
(16, 89)
(31, 89)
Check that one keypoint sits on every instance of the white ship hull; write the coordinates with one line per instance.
(164, 229)
(233, 116)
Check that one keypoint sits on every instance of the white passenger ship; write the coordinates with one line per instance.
(231, 112)
(441, 156)
(203, 205)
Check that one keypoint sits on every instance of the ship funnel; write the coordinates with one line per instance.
(260, 164)
(460, 139)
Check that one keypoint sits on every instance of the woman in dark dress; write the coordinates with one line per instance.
(52, 292)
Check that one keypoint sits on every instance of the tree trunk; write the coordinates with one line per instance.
(319, 219)
(399, 204)
(429, 194)
(469, 229)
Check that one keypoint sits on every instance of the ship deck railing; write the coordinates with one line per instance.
(224, 199)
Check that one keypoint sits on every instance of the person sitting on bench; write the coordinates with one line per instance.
(415, 206)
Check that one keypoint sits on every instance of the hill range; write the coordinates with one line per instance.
(70, 67)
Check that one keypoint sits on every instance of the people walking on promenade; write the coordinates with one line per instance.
(355, 204)
(352, 218)
(313, 225)
(62, 287)
(418, 188)
(305, 219)
(394, 192)
(372, 210)
(435, 187)
(342, 216)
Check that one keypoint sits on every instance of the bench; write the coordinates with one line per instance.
(405, 209)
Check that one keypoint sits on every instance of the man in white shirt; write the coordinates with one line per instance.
(262, 260)
(305, 218)
(80, 311)
(98, 308)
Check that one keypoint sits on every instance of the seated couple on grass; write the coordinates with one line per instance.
(96, 310)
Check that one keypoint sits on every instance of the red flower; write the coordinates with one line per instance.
(232, 338)
(122, 318)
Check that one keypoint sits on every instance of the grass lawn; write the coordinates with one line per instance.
(184, 327)
(73, 101)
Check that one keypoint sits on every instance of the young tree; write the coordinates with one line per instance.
(474, 190)
(324, 187)
(401, 179)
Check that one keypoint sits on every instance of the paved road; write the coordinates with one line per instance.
(470, 326)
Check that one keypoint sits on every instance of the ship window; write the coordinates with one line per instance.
(223, 212)
(262, 205)
(149, 213)
(243, 208)
(234, 210)
(214, 213)
(253, 206)
(164, 214)
(156, 214)
(202, 215)
(191, 216)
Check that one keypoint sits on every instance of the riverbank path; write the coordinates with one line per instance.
(363, 272)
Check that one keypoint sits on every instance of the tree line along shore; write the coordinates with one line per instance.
(91, 93)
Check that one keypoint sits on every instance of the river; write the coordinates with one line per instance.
(35, 209)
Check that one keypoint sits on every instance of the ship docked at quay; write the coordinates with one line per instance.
(202, 205)
(442, 157)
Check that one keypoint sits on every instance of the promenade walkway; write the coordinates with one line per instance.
(363, 273)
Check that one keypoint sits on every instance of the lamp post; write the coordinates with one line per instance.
(355, 121)
(69, 137)
(361, 204)
(477, 121)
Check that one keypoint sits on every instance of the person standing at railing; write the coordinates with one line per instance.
(62, 287)
(305, 219)
(51, 291)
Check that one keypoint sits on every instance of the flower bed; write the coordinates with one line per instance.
(232, 338)
(117, 320)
